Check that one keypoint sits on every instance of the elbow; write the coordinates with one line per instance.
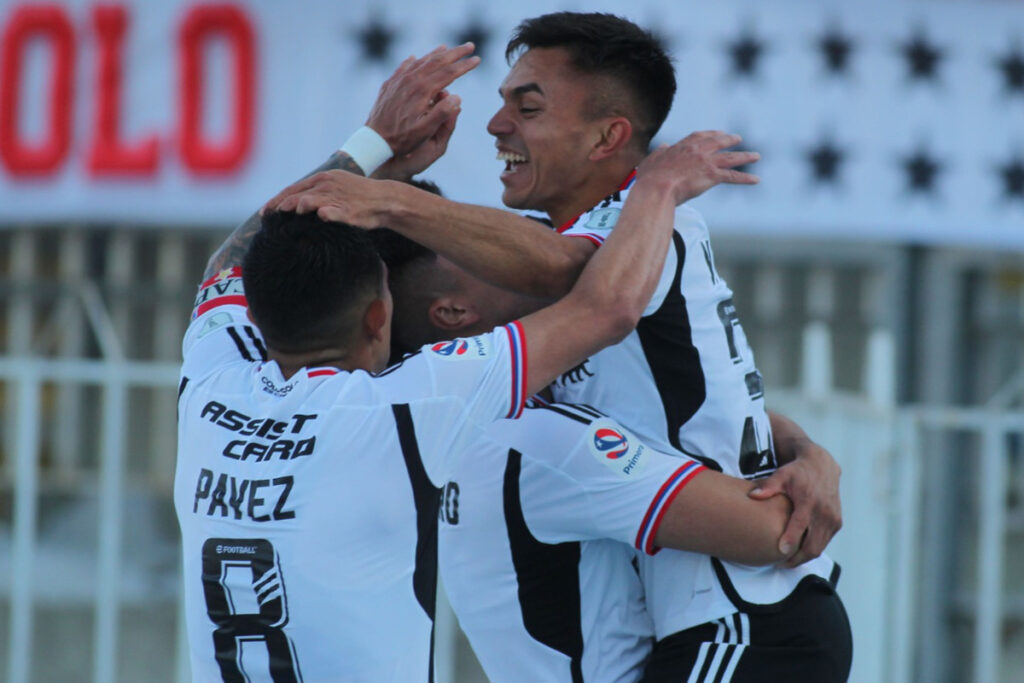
(618, 319)
(766, 550)
(562, 270)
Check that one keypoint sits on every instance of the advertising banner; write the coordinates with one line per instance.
(898, 121)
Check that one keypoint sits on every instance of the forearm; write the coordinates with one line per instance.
(713, 515)
(500, 247)
(622, 275)
(233, 250)
(611, 293)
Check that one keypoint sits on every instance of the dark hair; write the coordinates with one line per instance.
(607, 45)
(398, 251)
(307, 280)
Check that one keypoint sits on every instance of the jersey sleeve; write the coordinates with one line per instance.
(456, 388)
(220, 331)
(608, 484)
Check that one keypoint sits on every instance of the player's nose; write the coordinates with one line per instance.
(500, 123)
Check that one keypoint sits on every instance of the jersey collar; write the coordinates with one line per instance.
(624, 185)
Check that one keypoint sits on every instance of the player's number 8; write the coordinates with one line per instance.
(225, 562)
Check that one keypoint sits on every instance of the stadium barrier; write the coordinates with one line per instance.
(883, 450)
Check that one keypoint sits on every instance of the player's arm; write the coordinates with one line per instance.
(810, 478)
(409, 125)
(714, 515)
(231, 253)
(614, 288)
(500, 247)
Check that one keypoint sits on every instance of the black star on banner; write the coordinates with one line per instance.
(1012, 66)
(825, 158)
(835, 50)
(375, 39)
(745, 52)
(1012, 173)
(474, 32)
(922, 171)
(922, 57)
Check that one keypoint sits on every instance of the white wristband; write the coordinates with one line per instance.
(368, 149)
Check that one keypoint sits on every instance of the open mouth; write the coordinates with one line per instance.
(512, 161)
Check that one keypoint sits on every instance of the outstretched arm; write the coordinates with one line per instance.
(714, 515)
(230, 253)
(617, 283)
(414, 115)
(500, 247)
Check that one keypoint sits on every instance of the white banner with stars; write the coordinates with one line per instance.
(896, 121)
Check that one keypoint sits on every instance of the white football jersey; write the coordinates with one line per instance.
(308, 505)
(537, 526)
(685, 382)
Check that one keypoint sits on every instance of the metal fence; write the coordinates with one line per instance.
(933, 496)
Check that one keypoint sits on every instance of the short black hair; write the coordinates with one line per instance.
(608, 45)
(307, 280)
(397, 251)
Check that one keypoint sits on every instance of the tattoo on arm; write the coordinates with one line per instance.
(230, 253)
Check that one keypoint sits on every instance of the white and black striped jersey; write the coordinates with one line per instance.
(536, 536)
(308, 505)
(685, 382)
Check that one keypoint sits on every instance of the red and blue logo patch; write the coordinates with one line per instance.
(456, 347)
(613, 444)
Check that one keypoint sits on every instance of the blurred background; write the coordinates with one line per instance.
(878, 272)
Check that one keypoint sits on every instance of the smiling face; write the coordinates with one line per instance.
(543, 132)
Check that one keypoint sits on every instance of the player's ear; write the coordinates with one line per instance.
(375, 320)
(451, 314)
(613, 133)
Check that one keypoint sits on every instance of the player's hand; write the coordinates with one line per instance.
(413, 104)
(697, 163)
(404, 167)
(811, 481)
(335, 196)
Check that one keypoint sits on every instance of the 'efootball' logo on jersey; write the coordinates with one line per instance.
(620, 451)
(456, 347)
(610, 442)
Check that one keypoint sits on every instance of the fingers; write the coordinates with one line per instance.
(442, 66)
(798, 523)
(332, 214)
(715, 139)
(438, 115)
(733, 177)
(275, 203)
(731, 159)
(765, 489)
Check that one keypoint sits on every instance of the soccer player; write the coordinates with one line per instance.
(306, 471)
(583, 100)
(527, 520)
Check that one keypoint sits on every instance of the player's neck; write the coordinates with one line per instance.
(598, 186)
(343, 359)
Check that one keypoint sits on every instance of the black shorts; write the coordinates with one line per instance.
(804, 638)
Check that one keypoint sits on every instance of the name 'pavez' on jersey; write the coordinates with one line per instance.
(308, 505)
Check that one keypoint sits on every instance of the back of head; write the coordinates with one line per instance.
(308, 281)
(633, 59)
(415, 282)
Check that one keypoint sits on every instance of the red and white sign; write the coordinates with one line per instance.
(186, 112)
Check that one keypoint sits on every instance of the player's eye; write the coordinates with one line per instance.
(528, 110)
